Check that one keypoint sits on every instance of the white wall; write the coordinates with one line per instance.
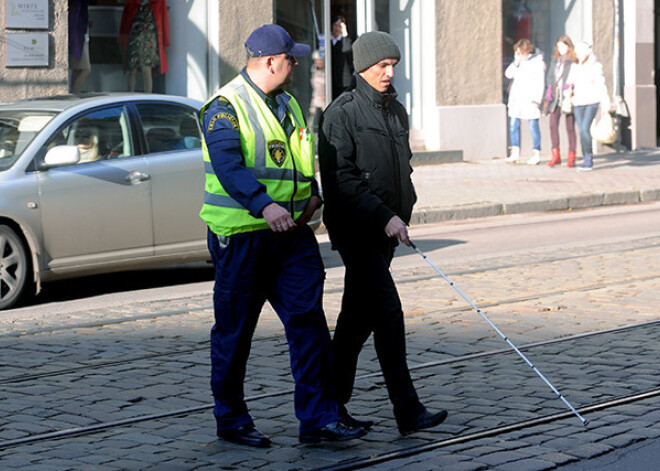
(579, 23)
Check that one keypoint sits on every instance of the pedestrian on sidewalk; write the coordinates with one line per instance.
(527, 73)
(341, 56)
(364, 156)
(260, 193)
(589, 92)
(558, 99)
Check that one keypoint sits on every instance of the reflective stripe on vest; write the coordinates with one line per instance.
(229, 202)
(287, 182)
(270, 173)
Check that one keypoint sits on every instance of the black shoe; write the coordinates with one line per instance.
(351, 421)
(423, 420)
(335, 431)
(245, 435)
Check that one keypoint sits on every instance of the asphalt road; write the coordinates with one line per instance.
(474, 240)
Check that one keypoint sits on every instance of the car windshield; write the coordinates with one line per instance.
(17, 130)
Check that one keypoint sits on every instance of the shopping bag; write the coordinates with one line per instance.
(603, 129)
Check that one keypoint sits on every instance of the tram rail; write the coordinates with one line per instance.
(399, 281)
(406, 452)
(611, 402)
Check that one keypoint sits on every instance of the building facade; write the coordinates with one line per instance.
(450, 77)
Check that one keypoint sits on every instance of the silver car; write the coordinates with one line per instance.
(97, 184)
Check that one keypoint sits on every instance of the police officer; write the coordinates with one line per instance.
(260, 193)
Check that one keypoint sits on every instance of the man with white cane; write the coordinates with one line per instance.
(365, 171)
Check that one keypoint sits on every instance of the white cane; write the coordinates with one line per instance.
(536, 370)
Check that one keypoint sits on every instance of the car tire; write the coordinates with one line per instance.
(14, 267)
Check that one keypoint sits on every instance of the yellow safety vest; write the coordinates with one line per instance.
(284, 166)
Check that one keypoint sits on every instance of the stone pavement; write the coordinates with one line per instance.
(130, 369)
(491, 187)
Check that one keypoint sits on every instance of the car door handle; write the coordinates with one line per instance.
(136, 177)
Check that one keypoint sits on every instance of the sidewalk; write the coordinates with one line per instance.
(465, 190)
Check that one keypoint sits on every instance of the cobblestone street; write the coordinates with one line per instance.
(152, 359)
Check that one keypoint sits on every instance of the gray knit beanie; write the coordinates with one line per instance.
(372, 47)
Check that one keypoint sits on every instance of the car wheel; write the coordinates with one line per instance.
(14, 266)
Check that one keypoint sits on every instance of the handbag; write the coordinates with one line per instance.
(603, 129)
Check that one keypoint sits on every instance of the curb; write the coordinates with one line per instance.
(564, 203)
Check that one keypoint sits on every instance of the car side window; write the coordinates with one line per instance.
(169, 127)
(100, 135)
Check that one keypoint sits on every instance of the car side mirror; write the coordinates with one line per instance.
(62, 155)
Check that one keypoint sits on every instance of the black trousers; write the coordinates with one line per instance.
(371, 304)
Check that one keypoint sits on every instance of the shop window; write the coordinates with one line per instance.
(105, 53)
(105, 17)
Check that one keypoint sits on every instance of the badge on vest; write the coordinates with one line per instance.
(277, 151)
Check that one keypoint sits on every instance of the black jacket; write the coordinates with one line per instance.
(364, 156)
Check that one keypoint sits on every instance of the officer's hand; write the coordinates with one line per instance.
(397, 228)
(313, 203)
(278, 218)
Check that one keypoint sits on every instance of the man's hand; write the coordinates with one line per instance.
(278, 218)
(397, 228)
(313, 203)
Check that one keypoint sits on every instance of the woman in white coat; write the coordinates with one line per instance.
(527, 72)
(589, 92)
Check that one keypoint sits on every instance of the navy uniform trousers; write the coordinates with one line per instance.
(371, 303)
(285, 269)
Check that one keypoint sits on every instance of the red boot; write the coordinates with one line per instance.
(571, 158)
(555, 158)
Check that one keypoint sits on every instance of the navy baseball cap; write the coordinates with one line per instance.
(270, 40)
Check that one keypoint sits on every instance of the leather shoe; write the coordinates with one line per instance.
(423, 420)
(351, 421)
(335, 431)
(245, 435)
